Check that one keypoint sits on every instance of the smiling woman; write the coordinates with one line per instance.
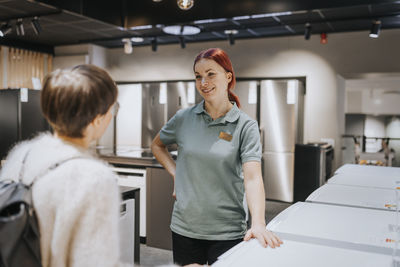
(219, 61)
(219, 154)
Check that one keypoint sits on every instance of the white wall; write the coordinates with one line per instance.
(72, 55)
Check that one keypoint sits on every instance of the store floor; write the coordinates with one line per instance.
(150, 256)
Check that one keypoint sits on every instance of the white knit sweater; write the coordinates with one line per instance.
(77, 204)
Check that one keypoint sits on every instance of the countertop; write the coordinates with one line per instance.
(130, 156)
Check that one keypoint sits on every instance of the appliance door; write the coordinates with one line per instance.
(9, 133)
(32, 120)
(129, 117)
(349, 227)
(127, 231)
(278, 115)
(374, 181)
(368, 170)
(154, 112)
(296, 253)
(181, 95)
(247, 93)
(133, 177)
(278, 172)
(355, 196)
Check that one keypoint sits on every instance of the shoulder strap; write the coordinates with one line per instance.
(52, 167)
(21, 172)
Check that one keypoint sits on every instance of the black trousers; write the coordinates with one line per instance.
(189, 250)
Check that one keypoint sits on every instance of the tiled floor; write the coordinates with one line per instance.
(150, 256)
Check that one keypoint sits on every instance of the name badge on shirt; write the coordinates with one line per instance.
(225, 136)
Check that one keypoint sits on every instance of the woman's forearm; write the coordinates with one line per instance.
(255, 192)
(162, 155)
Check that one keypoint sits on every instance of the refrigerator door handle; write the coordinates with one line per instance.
(262, 138)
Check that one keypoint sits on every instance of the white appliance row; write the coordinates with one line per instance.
(367, 170)
(294, 253)
(347, 222)
(355, 196)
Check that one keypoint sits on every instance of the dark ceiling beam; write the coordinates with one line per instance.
(323, 17)
(31, 15)
(27, 45)
(348, 19)
(220, 36)
(252, 32)
(287, 27)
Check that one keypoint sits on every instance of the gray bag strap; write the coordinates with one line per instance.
(43, 173)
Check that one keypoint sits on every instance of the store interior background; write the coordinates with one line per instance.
(352, 76)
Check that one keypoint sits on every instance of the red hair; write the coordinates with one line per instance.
(222, 58)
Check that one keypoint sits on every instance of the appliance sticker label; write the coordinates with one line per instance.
(24, 94)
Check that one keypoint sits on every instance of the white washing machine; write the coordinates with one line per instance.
(294, 253)
(355, 196)
(375, 181)
(368, 170)
(339, 226)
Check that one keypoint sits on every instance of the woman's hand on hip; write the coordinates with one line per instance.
(265, 237)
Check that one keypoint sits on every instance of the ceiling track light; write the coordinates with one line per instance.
(154, 44)
(324, 38)
(127, 45)
(182, 42)
(307, 31)
(231, 34)
(231, 39)
(5, 29)
(36, 25)
(20, 27)
(185, 4)
(375, 29)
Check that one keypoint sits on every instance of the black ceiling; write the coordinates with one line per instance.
(105, 23)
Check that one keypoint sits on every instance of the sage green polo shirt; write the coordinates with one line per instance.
(209, 182)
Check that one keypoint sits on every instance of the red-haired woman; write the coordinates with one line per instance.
(218, 144)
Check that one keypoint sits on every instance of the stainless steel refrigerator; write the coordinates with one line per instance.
(160, 101)
(20, 117)
(281, 127)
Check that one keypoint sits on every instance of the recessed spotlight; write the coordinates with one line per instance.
(231, 31)
(181, 30)
(185, 4)
(137, 39)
